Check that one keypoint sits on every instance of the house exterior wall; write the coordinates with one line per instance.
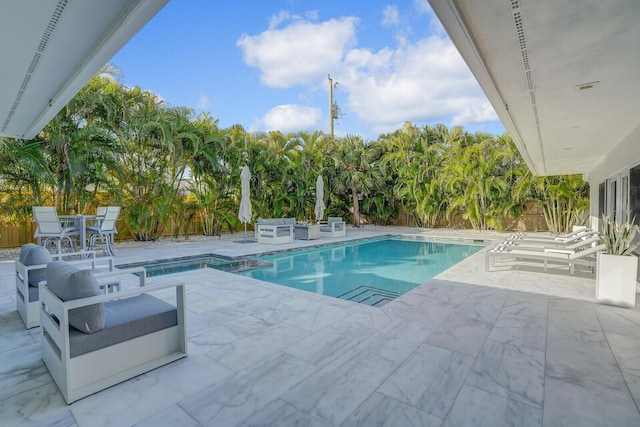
(623, 157)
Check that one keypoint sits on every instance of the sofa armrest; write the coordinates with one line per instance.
(141, 271)
(338, 225)
(84, 257)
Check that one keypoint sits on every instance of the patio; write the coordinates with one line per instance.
(515, 347)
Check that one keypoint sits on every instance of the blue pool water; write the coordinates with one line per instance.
(371, 272)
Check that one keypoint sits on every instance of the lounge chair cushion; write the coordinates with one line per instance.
(125, 319)
(32, 254)
(68, 282)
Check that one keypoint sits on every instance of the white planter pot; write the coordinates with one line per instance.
(616, 279)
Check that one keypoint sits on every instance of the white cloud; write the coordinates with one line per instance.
(422, 6)
(300, 53)
(390, 16)
(425, 81)
(278, 19)
(203, 102)
(289, 118)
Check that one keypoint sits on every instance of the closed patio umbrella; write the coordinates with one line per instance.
(244, 214)
(319, 210)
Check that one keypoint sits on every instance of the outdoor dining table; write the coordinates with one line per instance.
(80, 222)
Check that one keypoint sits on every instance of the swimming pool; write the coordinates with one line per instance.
(371, 272)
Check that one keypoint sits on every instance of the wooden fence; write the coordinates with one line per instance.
(13, 236)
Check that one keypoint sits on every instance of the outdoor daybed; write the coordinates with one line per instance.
(275, 231)
(92, 341)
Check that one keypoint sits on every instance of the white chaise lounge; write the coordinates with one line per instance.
(91, 341)
(334, 227)
(557, 246)
(31, 269)
(585, 257)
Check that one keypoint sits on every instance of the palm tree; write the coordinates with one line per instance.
(474, 177)
(412, 159)
(563, 198)
(356, 171)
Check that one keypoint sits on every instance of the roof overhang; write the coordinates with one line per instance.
(50, 49)
(561, 75)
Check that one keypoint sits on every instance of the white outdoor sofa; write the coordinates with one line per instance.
(334, 227)
(31, 269)
(91, 341)
(275, 231)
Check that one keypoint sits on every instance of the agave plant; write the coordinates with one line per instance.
(618, 238)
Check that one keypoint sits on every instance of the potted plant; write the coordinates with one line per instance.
(617, 268)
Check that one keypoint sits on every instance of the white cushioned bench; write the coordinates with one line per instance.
(275, 231)
(91, 341)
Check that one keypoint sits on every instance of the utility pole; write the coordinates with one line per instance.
(333, 108)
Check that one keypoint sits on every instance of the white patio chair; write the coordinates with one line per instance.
(335, 227)
(104, 230)
(31, 269)
(50, 229)
(91, 341)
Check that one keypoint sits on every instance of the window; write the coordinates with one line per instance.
(634, 193)
(601, 199)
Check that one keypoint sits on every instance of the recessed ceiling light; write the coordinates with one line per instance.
(590, 85)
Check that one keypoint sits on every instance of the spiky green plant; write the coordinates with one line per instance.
(618, 238)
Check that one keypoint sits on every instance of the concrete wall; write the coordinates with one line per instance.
(623, 157)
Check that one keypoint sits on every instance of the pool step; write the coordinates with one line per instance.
(369, 295)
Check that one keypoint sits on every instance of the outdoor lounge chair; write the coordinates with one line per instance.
(91, 341)
(50, 229)
(585, 257)
(31, 269)
(566, 239)
(550, 245)
(334, 227)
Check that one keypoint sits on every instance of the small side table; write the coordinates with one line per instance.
(307, 231)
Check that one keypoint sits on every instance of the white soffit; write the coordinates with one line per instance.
(50, 49)
(562, 75)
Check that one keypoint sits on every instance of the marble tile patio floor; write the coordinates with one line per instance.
(516, 347)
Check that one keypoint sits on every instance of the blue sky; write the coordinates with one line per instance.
(264, 65)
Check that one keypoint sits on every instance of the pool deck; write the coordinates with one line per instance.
(515, 347)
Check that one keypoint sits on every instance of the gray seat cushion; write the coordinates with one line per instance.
(32, 254)
(125, 319)
(68, 282)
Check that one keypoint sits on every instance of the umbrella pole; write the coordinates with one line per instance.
(245, 232)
